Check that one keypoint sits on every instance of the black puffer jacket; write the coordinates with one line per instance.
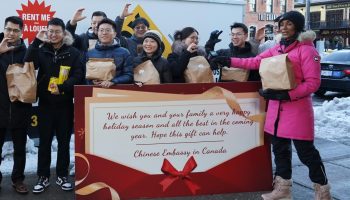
(16, 114)
(179, 59)
(49, 60)
(245, 52)
(160, 63)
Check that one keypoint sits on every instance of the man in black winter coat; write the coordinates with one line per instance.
(238, 47)
(52, 53)
(14, 116)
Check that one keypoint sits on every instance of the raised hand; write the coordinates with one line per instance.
(214, 36)
(4, 46)
(42, 35)
(78, 16)
(125, 11)
(213, 39)
(260, 34)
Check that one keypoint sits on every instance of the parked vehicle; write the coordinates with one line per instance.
(335, 72)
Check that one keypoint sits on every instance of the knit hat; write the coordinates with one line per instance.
(154, 35)
(296, 18)
(140, 20)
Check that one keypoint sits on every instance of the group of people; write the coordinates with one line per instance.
(289, 115)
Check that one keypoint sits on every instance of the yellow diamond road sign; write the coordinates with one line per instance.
(139, 12)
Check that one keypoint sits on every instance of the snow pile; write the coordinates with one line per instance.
(332, 119)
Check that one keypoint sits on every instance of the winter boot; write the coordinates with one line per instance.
(281, 190)
(322, 192)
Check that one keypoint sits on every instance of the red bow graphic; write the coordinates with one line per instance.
(172, 174)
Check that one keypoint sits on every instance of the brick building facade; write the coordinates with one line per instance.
(260, 13)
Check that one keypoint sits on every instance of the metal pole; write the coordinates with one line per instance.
(307, 14)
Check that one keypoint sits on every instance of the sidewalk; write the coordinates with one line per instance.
(336, 158)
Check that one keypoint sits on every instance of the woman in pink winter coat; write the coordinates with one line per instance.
(290, 114)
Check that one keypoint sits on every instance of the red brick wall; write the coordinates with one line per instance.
(251, 18)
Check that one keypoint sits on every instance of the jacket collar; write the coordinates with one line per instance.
(101, 47)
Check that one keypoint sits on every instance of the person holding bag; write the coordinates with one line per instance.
(108, 63)
(239, 48)
(14, 116)
(152, 54)
(290, 115)
(184, 48)
(60, 68)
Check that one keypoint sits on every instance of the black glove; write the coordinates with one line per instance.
(274, 94)
(214, 38)
(220, 61)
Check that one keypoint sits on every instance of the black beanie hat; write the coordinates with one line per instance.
(296, 18)
(140, 20)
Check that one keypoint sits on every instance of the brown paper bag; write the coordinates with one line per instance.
(277, 73)
(102, 69)
(21, 82)
(234, 74)
(146, 73)
(198, 71)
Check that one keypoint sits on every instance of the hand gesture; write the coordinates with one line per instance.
(214, 36)
(125, 12)
(42, 35)
(192, 47)
(54, 89)
(106, 84)
(4, 46)
(260, 34)
(220, 61)
(274, 94)
(78, 16)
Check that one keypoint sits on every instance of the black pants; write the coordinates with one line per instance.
(19, 138)
(307, 154)
(60, 121)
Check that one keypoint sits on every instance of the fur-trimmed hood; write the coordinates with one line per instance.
(307, 36)
(178, 47)
(68, 38)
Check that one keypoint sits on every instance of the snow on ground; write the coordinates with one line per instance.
(32, 156)
(332, 121)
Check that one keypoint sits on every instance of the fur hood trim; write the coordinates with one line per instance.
(308, 35)
(68, 38)
(178, 47)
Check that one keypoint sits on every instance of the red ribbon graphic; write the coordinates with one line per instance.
(173, 174)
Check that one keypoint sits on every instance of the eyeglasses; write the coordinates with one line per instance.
(194, 38)
(14, 30)
(107, 30)
(236, 34)
(56, 32)
(140, 27)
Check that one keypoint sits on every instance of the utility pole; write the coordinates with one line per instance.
(307, 14)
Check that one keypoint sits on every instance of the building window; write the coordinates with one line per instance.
(334, 18)
(252, 31)
(269, 5)
(252, 5)
(283, 6)
(315, 19)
